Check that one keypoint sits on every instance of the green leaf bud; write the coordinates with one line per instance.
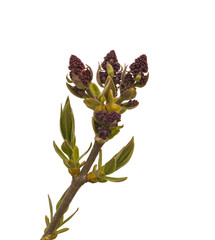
(91, 103)
(127, 95)
(91, 177)
(95, 90)
(110, 70)
(74, 171)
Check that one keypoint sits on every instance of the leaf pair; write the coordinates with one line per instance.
(68, 147)
(115, 163)
(62, 222)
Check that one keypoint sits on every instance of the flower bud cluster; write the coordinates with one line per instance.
(111, 59)
(108, 105)
(80, 76)
(138, 74)
(105, 121)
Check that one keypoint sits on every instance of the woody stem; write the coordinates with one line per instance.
(76, 184)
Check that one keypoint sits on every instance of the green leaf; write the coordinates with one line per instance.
(62, 230)
(91, 103)
(66, 220)
(59, 152)
(114, 132)
(67, 149)
(85, 152)
(95, 90)
(59, 202)
(98, 76)
(100, 160)
(76, 154)
(124, 155)
(113, 179)
(51, 208)
(110, 166)
(82, 94)
(109, 85)
(67, 123)
(110, 97)
(94, 125)
(68, 79)
(47, 220)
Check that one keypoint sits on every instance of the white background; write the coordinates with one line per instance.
(170, 191)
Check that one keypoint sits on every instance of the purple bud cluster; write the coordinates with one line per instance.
(109, 119)
(131, 104)
(78, 68)
(103, 132)
(79, 92)
(75, 65)
(137, 76)
(105, 121)
(140, 65)
(110, 58)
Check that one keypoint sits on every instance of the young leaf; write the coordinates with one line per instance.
(67, 149)
(110, 97)
(62, 230)
(91, 103)
(98, 76)
(59, 202)
(115, 131)
(47, 221)
(67, 123)
(85, 152)
(58, 151)
(76, 154)
(51, 208)
(113, 179)
(66, 220)
(80, 93)
(95, 90)
(68, 79)
(100, 160)
(124, 155)
(110, 166)
(109, 85)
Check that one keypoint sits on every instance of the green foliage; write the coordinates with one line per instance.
(95, 90)
(67, 123)
(110, 166)
(62, 221)
(117, 161)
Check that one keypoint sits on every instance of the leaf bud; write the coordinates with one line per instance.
(77, 81)
(91, 177)
(74, 171)
(110, 70)
(54, 235)
(91, 103)
(128, 94)
(113, 107)
(138, 77)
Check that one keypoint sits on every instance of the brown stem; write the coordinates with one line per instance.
(77, 182)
